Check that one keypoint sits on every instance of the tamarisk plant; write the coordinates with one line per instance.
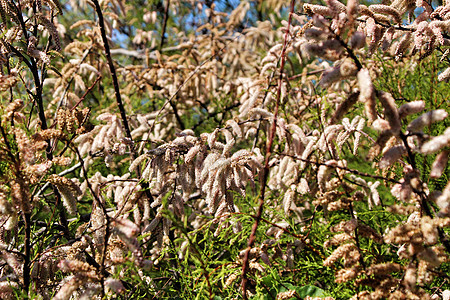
(242, 158)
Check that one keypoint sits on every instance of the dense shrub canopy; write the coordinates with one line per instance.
(224, 149)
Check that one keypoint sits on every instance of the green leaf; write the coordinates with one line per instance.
(312, 291)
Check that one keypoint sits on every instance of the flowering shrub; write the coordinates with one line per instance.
(222, 150)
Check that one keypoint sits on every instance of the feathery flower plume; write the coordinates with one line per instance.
(439, 164)
(13, 261)
(315, 33)
(410, 277)
(338, 239)
(308, 150)
(385, 9)
(235, 127)
(444, 75)
(346, 226)
(347, 274)
(330, 76)
(403, 45)
(436, 143)
(403, 5)
(387, 38)
(7, 289)
(367, 94)
(336, 6)
(348, 68)
(374, 197)
(429, 230)
(358, 133)
(70, 285)
(352, 10)
(427, 119)
(114, 285)
(410, 108)
(303, 187)
(343, 108)
(383, 269)
(380, 125)
(390, 111)
(347, 251)
(358, 40)
(286, 295)
(312, 9)
(52, 30)
(329, 49)
(391, 156)
(69, 191)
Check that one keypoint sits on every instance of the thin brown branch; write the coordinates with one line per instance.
(87, 92)
(98, 202)
(265, 171)
(166, 18)
(112, 69)
(27, 254)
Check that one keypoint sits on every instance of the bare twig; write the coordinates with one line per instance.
(265, 171)
(112, 69)
(27, 243)
(87, 92)
(166, 18)
(99, 203)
